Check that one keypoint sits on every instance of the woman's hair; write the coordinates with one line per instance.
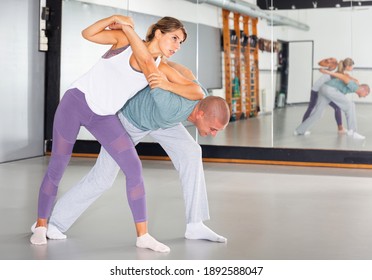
(342, 64)
(165, 25)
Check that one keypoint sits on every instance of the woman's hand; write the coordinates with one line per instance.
(324, 71)
(115, 26)
(98, 32)
(120, 20)
(158, 80)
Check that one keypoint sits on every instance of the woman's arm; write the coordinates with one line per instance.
(142, 55)
(99, 33)
(176, 83)
(167, 78)
(183, 70)
(352, 78)
(345, 78)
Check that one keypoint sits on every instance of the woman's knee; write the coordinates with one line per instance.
(56, 168)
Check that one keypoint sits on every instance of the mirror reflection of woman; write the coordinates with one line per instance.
(93, 100)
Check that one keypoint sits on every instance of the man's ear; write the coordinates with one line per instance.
(199, 114)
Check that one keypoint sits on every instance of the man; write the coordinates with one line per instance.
(157, 113)
(335, 91)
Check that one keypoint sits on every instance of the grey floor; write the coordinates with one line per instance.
(324, 132)
(266, 212)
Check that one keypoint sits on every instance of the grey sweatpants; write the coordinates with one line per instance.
(327, 95)
(182, 149)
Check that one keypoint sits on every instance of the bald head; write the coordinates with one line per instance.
(363, 90)
(215, 107)
(210, 116)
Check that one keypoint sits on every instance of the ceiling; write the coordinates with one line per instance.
(309, 4)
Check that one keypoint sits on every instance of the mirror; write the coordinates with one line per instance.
(337, 32)
(334, 32)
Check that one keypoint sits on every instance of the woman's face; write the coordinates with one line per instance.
(170, 43)
(349, 68)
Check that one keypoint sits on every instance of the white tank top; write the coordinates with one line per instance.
(111, 82)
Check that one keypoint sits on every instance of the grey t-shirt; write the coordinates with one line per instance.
(156, 108)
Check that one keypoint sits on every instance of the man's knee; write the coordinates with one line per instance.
(192, 152)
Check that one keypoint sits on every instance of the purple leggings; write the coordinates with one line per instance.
(312, 103)
(72, 113)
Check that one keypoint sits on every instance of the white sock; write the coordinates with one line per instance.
(358, 136)
(355, 135)
(201, 231)
(52, 232)
(39, 236)
(296, 133)
(146, 241)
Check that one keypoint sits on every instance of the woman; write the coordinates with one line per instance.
(93, 100)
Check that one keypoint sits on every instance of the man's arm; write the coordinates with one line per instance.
(330, 63)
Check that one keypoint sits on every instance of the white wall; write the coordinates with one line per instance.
(180, 9)
(21, 82)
